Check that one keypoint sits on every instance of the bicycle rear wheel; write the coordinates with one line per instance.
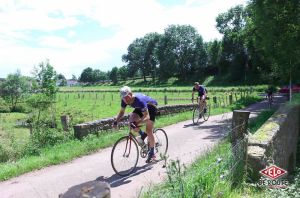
(207, 113)
(161, 142)
(196, 115)
(124, 156)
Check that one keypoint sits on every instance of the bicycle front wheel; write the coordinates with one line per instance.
(161, 142)
(196, 115)
(124, 156)
(206, 113)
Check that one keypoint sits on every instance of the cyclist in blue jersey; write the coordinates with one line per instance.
(202, 91)
(144, 112)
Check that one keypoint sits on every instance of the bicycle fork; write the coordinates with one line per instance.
(128, 140)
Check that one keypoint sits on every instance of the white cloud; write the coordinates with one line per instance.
(129, 19)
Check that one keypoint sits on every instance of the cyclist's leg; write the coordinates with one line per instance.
(150, 124)
(135, 117)
(199, 103)
(149, 130)
(202, 103)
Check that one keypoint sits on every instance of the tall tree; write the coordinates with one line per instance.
(150, 58)
(99, 75)
(46, 77)
(141, 55)
(214, 51)
(277, 28)
(123, 72)
(13, 88)
(234, 53)
(113, 75)
(178, 51)
(87, 75)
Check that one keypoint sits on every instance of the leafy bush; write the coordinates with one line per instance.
(4, 107)
(10, 149)
(291, 191)
(43, 136)
(20, 108)
(3, 154)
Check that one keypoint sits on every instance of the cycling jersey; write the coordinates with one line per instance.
(141, 102)
(201, 91)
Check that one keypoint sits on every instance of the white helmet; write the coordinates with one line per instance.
(124, 91)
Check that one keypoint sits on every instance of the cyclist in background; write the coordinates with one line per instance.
(202, 91)
(145, 109)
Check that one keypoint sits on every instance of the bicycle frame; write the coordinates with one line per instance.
(201, 104)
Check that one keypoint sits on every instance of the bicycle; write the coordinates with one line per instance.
(201, 113)
(125, 152)
(270, 101)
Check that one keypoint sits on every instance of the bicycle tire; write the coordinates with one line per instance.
(196, 115)
(116, 153)
(161, 142)
(207, 114)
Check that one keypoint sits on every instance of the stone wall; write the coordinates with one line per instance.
(275, 142)
(81, 130)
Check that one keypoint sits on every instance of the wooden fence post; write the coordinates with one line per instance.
(215, 101)
(65, 121)
(239, 125)
(230, 99)
(166, 100)
(239, 143)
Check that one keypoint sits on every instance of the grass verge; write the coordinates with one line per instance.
(208, 176)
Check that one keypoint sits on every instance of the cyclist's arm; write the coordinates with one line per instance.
(193, 95)
(121, 114)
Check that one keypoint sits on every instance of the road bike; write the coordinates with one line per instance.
(199, 112)
(270, 101)
(126, 151)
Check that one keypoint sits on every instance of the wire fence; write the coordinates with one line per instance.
(226, 164)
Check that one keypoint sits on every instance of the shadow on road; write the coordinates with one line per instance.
(117, 180)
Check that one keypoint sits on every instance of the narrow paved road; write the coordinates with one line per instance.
(186, 142)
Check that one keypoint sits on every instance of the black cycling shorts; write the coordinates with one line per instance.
(151, 109)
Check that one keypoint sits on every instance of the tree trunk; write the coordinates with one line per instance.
(144, 76)
(290, 84)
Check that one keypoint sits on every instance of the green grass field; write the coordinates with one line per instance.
(87, 106)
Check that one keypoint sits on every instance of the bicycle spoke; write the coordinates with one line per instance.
(161, 142)
(207, 113)
(124, 156)
(196, 115)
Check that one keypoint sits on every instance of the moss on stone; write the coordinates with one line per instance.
(265, 133)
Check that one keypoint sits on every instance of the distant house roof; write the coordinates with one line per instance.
(71, 82)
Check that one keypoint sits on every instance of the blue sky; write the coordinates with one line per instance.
(77, 34)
